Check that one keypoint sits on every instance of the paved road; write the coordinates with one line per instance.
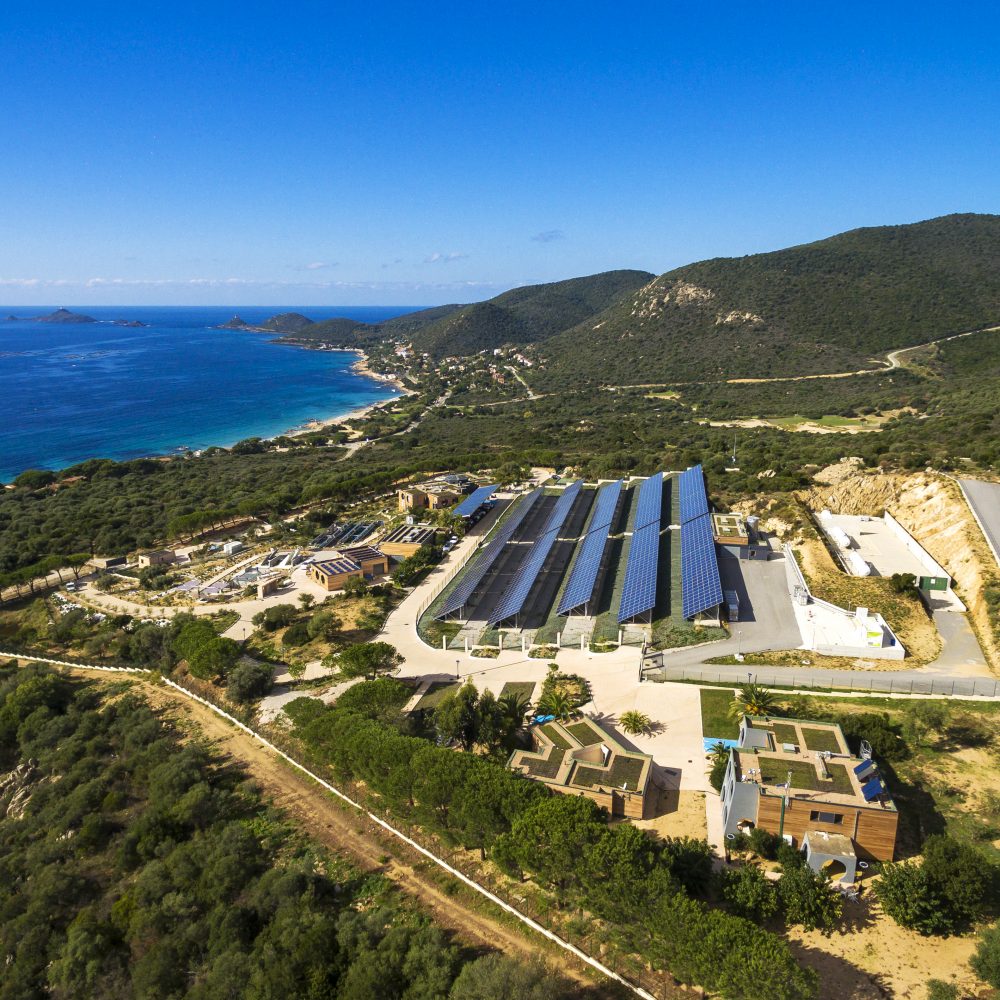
(984, 499)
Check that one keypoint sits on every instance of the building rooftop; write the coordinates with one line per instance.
(333, 567)
(812, 758)
(361, 553)
(415, 533)
(730, 529)
(580, 754)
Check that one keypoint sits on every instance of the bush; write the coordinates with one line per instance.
(718, 773)
(943, 894)
(749, 893)
(249, 681)
(807, 899)
(297, 635)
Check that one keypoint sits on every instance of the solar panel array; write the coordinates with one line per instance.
(582, 580)
(650, 502)
(488, 556)
(639, 590)
(694, 502)
(701, 588)
(512, 601)
(474, 501)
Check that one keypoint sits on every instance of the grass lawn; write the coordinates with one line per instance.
(784, 733)
(524, 688)
(431, 698)
(545, 768)
(585, 733)
(555, 736)
(841, 779)
(820, 739)
(805, 776)
(715, 719)
(623, 770)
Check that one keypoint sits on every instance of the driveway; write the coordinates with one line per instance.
(984, 501)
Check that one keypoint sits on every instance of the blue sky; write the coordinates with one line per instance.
(330, 153)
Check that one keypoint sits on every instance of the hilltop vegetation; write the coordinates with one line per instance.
(521, 316)
(821, 307)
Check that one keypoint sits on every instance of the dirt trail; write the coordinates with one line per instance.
(345, 831)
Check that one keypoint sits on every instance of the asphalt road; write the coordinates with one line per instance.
(984, 499)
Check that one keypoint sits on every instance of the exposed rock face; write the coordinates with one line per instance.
(652, 298)
(17, 785)
(735, 317)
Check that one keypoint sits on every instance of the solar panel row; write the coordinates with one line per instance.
(639, 589)
(694, 501)
(474, 501)
(583, 578)
(701, 588)
(650, 502)
(482, 563)
(514, 597)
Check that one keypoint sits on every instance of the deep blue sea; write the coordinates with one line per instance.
(69, 392)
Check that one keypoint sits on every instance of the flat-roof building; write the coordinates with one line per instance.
(799, 780)
(407, 539)
(372, 562)
(333, 574)
(581, 758)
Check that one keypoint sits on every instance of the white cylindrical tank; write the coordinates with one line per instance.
(840, 537)
(858, 565)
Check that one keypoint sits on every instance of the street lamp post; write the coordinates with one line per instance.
(739, 642)
(458, 664)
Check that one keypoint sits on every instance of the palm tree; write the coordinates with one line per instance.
(514, 707)
(752, 699)
(634, 722)
(556, 703)
(718, 752)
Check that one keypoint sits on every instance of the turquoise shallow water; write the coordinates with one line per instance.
(69, 392)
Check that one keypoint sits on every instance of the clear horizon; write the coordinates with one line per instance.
(399, 156)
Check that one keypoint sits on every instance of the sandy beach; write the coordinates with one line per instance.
(361, 367)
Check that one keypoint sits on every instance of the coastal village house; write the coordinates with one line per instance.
(581, 758)
(800, 781)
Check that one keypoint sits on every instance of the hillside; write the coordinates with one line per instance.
(821, 307)
(521, 316)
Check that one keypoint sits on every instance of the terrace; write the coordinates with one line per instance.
(582, 756)
(800, 753)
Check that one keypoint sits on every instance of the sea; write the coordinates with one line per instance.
(73, 391)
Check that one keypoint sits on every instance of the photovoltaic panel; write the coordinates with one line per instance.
(583, 578)
(694, 501)
(580, 587)
(562, 507)
(605, 505)
(487, 556)
(701, 588)
(512, 602)
(639, 589)
(872, 790)
(650, 502)
(474, 501)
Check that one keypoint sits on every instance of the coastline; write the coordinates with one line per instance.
(224, 437)
(360, 367)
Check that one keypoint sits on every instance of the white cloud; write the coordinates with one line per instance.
(444, 258)
(548, 236)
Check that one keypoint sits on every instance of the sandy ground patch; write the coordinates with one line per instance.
(872, 957)
(676, 814)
